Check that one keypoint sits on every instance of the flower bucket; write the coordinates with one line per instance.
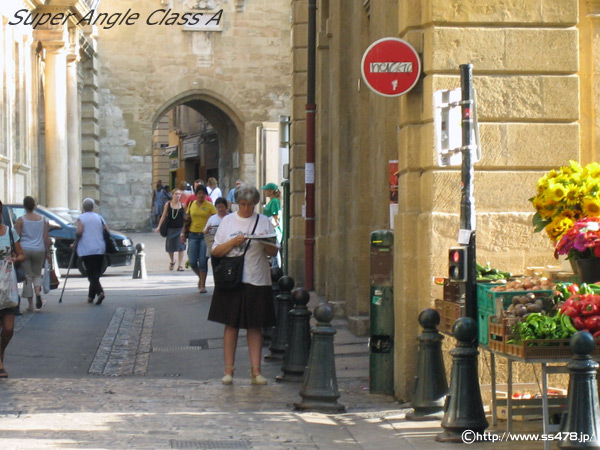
(589, 269)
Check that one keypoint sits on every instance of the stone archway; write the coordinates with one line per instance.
(225, 121)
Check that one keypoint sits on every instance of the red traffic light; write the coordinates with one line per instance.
(457, 264)
(454, 256)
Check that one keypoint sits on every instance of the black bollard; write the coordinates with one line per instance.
(463, 409)
(280, 333)
(431, 386)
(581, 423)
(319, 390)
(139, 266)
(267, 332)
(298, 347)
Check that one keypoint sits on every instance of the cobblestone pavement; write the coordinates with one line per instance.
(134, 383)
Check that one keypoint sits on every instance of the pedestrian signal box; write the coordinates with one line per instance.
(457, 263)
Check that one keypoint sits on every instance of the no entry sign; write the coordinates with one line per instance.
(390, 67)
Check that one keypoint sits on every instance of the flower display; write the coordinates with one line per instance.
(581, 241)
(564, 196)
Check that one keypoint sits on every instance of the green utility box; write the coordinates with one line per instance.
(381, 342)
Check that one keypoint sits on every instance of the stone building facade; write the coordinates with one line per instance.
(48, 135)
(534, 65)
(237, 77)
(88, 85)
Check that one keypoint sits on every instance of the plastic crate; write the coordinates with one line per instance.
(486, 302)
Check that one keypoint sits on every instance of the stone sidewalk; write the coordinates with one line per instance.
(119, 406)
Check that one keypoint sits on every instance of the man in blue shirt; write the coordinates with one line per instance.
(230, 198)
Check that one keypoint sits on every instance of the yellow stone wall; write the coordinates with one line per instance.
(533, 65)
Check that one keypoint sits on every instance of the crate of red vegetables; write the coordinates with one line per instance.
(584, 311)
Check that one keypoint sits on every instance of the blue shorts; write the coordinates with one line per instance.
(197, 252)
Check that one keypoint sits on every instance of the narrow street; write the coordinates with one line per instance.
(143, 370)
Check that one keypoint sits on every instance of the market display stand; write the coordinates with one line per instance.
(546, 369)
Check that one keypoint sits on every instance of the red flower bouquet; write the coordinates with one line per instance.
(582, 241)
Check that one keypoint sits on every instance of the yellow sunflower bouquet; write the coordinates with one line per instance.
(565, 196)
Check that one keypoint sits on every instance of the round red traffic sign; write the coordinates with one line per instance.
(390, 67)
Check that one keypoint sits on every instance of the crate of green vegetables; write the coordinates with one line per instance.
(542, 336)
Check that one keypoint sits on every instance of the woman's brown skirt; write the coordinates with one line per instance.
(247, 307)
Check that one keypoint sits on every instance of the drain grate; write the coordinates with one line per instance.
(208, 445)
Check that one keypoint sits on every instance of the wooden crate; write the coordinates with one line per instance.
(451, 291)
(449, 313)
(499, 332)
(543, 349)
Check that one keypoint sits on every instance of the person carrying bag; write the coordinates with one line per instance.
(229, 269)
(10, 253)
(243, 295)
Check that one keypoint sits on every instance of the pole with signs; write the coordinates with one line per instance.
(467, 201)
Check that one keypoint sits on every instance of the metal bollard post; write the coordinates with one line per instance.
(319, 390)
(463, 409)
(139, 267)
(431, 386)
(267, 332)
(298, 348)
(280, 333)
(581, 423)
(53, 258)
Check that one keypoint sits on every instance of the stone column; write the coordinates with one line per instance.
(73, 129)
(55, 107)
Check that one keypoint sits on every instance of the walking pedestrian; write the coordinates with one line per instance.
(213, 224)
(33, 230)
(173, 214)
(273, 210)
(214, 192)
(7, 314)
(91, 248)
(231, 197)
(197, 214)
(159, 198)
(249, 306)
(192, 197)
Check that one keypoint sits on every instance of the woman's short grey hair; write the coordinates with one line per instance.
(247, 192)
(88, 204)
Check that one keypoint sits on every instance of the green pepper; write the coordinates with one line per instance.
(584, 288)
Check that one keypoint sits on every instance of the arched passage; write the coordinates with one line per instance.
(223, 135)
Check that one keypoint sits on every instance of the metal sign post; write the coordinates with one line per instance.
(467, 202)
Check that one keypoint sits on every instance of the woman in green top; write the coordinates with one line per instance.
(272, 211)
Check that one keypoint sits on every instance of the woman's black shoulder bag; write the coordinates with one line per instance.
(228, 273)
(111, 243)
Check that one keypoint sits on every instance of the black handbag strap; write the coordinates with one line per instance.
(253, 230)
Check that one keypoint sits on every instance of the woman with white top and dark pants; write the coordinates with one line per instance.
(91, 248)
(33, 230)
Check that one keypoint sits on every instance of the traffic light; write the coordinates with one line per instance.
(457, 263)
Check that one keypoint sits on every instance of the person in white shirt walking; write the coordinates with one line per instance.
(35, 243)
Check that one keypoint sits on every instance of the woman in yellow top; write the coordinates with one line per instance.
(198, 212)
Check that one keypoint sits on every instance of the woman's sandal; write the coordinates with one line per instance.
(180, 269)
(3, 373)
(228, 378)
(171, 265)
(257, 379)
